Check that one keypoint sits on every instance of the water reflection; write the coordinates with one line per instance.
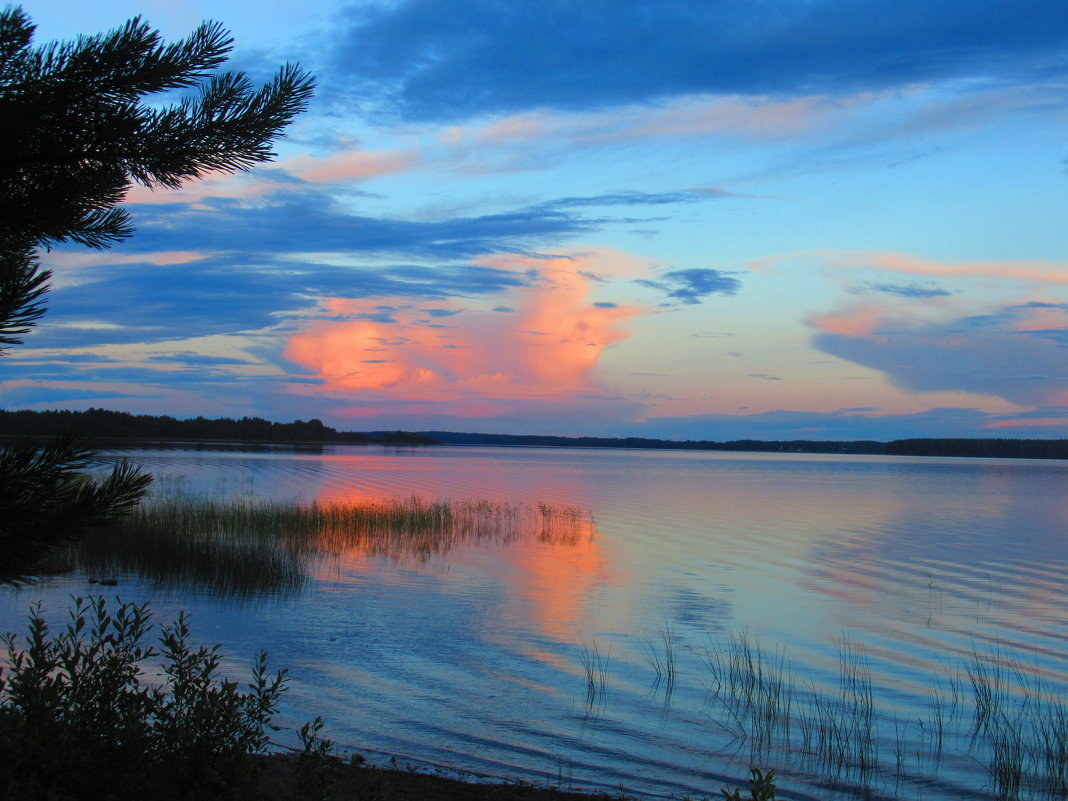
(467, 648)
(241, 548)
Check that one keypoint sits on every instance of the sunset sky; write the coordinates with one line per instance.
(817, 219)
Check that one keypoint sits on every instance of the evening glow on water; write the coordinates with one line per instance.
(659, 620)
(760, 220)
(777, 220)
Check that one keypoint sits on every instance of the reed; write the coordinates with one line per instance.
(661, 653)
(755, 690)
(993, 708)
(595, 667)
(240, 547)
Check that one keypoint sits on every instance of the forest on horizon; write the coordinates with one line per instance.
(105, 424)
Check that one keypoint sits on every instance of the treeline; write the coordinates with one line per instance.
(991, 448)
(988, 448)
(771, 446)
(104, 424)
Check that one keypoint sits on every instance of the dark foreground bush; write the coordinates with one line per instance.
(78, 721)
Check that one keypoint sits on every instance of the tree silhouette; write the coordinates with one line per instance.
(78, 133)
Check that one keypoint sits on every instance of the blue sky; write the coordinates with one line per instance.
(815, 219)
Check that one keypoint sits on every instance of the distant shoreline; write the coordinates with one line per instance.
(104, 425)
(964, 447)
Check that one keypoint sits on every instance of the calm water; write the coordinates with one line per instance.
(539, 660)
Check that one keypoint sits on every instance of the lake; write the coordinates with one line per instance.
(877, 627)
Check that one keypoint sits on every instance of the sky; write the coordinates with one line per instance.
(726, 219)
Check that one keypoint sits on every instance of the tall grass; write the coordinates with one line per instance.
(992, 710)
(238, 548)
(661, 654)
(595, 667)
(754, 689)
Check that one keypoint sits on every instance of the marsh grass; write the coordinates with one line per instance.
(661, 653)
(241, 547)
(755, 690)
(992, 710)
(595, 668)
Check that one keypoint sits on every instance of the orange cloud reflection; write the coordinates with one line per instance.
(546, 558)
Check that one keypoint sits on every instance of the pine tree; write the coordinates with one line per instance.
(78, 132)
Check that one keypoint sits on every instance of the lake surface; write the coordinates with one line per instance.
(826, 616)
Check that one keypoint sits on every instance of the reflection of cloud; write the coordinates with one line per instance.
(927, 557)
(556, 582)
(547, 566)
(545, 350)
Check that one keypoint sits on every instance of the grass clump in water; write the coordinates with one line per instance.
(242, 548)
(1014, 723)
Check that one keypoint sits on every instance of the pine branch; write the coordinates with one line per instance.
(76, 134)
(23, 285)
(47, 500)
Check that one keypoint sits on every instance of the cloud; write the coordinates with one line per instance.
(299, 173)
(484, 364)
(910, 290)
(450, 59)
(228, 294)
(1016, 352)
(288, 223)
(639, 199)
(197, 359)
(56, 395)
(349, 166)
(292, 222)
(247, 266)
(853, 424)
(1033, 271)
(693, 285)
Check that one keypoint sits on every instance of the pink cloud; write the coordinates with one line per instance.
(218, 185)
(1026, 270)
(700, 116)
(96, 258)
(527, 140)
(1033, 270)
(352, 166)
(1054, 422)
(857, 321)
(472, 361)
(346, 167)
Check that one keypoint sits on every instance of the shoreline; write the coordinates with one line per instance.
(355, 780)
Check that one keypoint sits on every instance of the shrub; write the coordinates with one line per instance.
(78, 722)
(761, 787)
